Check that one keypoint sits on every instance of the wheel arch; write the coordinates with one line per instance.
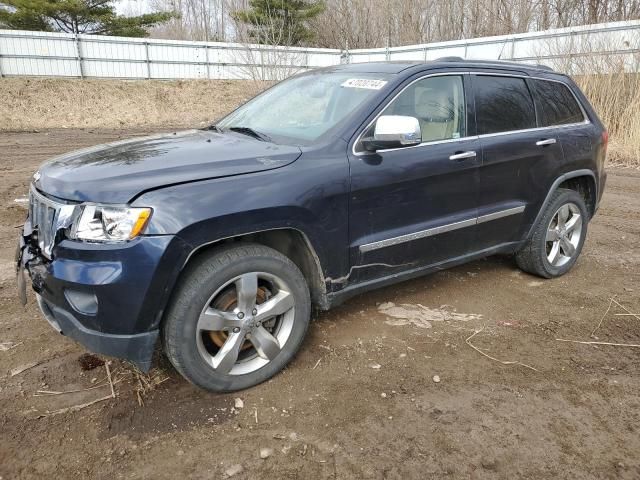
(585, 185)
(583, 181)
(291, 242)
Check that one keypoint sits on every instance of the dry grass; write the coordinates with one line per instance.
(612, 84)
(60, 103)
(616, 99)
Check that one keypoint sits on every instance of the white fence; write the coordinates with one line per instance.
(66, 55)
(618, 39)
(24, 53)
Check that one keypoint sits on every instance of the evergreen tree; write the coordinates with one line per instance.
(280, 22)
(76, 16)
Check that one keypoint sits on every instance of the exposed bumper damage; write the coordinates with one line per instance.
(138, 348)
(108, 298)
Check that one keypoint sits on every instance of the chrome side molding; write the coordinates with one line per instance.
(430, 232)
(500, 214)
(417, 235)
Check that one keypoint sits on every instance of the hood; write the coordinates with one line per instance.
(116, 172)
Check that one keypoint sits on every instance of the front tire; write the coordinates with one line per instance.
(558, 236)
(238, 317)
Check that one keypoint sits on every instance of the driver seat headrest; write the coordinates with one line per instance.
(435, 105)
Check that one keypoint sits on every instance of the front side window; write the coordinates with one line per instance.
(556, 104)
(303, 108)
(437, 103)
(502, 104)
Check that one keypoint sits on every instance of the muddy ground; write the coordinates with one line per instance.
(360, 401)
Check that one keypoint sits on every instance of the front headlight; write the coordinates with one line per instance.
(99, 223)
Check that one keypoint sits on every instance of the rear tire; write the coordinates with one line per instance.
(558, 237)
(238, 317)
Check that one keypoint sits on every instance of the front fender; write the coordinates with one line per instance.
(311, 198)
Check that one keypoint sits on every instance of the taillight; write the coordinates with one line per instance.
(605, 141)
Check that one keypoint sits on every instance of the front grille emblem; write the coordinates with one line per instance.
(36, 176)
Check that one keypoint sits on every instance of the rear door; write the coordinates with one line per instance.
(516, 157)
(558, 108)
(416, 206)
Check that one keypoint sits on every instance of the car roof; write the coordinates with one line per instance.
(395, 67)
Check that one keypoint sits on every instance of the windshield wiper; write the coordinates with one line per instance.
(251, 132)
(215, 128)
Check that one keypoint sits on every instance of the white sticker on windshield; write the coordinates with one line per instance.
(367, 83)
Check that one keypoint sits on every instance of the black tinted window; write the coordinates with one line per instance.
(556, 104)
(503, 104)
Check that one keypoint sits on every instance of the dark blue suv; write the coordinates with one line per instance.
(216, 243)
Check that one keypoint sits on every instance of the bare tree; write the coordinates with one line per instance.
(265, 55)
(203, 20)
(377, 23)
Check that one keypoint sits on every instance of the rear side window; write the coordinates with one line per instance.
(556, 104)
(503, 104)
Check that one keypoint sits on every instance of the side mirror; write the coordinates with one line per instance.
(394, 131)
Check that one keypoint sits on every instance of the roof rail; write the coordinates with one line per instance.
(544, 67)
(449, 59)
(487, 61)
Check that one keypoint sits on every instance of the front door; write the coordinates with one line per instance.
(416, 206)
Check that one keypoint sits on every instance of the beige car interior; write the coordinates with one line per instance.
(437, 103)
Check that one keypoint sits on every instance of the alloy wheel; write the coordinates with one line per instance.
(245, 324)
(563, 235)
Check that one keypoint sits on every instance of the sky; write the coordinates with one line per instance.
(133, 7)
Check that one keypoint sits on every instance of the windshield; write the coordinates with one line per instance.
(303, 108)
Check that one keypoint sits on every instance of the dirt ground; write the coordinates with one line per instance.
(360, 401)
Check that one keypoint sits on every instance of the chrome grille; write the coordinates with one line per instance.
(43, 214)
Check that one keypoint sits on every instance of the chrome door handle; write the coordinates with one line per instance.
(463, 155)
(548, 141)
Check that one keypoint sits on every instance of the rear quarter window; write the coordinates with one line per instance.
(502, 104)
(556, 104)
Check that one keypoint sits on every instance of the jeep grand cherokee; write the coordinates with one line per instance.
(215, 243)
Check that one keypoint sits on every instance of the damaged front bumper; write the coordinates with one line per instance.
(108, 297)
(138, 348)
